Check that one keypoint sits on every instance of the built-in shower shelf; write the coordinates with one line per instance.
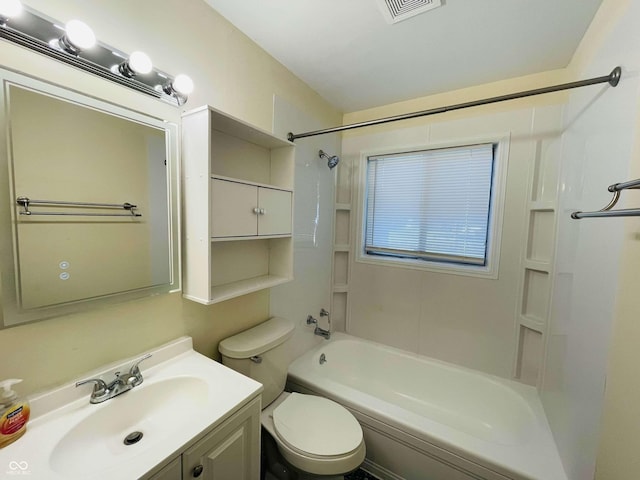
(537, 257)
(532, 323)
(539, 266)
(541, 206)
(340, 288)
(343, 206)
(341, 248)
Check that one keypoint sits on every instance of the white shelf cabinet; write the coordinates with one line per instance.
(237, 207)
(241, 209)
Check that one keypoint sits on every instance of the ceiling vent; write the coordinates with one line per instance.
(395, 11)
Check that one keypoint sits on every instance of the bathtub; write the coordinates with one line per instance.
(425, 419)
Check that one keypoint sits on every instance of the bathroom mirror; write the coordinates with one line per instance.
(89, 204)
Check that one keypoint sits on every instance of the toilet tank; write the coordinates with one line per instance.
(260, 353)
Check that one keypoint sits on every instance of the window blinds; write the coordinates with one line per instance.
(431, 204)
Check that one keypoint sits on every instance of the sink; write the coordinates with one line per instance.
(183, 396)
(155, 410)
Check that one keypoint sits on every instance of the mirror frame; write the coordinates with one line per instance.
(10, 312)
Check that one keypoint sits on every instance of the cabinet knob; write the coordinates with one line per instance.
(197, 471)
(256, 211)
(262, 211)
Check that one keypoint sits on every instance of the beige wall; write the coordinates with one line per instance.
(230, 73)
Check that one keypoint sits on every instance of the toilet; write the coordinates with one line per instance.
(315, 437)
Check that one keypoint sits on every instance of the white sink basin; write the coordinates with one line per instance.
(150, 410)
(183, 395)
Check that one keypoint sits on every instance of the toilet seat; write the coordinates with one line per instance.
(294, 445)
(316, 426)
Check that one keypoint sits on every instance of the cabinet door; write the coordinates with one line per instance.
(233, 209)
(230, 452)
(173, 471)
(275, 212)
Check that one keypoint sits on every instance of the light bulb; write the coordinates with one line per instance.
(79, 34)
(140, 62)
(182, 84)
(10, 8)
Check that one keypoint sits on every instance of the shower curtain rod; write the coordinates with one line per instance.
(612, 79)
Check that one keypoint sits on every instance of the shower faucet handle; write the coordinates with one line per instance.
(311, 320)
(324, 313)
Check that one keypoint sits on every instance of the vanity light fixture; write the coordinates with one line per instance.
(9, 9)
(138, 63)
(78, 36)
(181, 87)
(76, 45)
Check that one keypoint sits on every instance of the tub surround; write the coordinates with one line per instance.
(473, 424)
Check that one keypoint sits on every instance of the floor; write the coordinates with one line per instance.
(360, 475)
(357, 475)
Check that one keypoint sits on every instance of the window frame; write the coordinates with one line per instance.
(490, 270)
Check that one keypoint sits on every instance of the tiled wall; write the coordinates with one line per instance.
(492, 325)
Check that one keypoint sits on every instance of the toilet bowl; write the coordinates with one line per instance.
(314, 435)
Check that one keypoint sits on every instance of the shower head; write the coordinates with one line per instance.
(332, 160)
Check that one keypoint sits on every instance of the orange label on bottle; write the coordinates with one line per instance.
(14, 420)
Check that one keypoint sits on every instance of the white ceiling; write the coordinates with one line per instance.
(349, 54)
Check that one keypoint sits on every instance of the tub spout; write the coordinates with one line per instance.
(322, 332)
(319, 331)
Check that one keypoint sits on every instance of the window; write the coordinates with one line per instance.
(431, 206)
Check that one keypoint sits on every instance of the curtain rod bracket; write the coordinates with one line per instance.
(614, 76)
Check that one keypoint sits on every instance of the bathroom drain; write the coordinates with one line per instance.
(133, 437)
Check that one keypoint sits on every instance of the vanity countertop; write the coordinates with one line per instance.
(183, 395)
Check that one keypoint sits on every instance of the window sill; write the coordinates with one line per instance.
(488, 272)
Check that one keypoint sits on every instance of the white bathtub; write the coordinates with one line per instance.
(425, 419)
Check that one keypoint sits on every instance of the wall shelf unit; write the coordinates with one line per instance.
(238, 200)
(537, 261)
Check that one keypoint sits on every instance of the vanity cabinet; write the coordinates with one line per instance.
(230, 451)
(173, 471)
(237, 207)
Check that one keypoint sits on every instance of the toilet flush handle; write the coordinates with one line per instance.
(256, 359)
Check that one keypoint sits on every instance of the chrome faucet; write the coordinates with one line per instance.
(320, 331)
(103, 391)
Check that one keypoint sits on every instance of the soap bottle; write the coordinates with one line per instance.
(14, 413)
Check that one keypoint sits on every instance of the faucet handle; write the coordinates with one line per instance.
(99, 387)
(135, 367)
(311, 320)
(135, 370)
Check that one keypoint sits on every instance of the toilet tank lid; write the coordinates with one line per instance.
(258, 339)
